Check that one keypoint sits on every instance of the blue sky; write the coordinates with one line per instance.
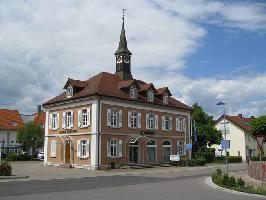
(205, 51)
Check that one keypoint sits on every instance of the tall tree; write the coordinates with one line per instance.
(258, 126)
(207, 134)
(30, 136)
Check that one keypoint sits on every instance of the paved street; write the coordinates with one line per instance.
(150, 184)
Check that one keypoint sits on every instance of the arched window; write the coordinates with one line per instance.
(69, 91)
(151, 151)
(166, 151)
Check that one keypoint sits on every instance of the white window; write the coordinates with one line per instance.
(180, 148)
(114, 148)
(151, 121)
(165, 98)
(150, 95)
(227, 129)
(134, 119)
(151, 151)
(180, 124)
(133, 92)
(114, 118)
(53, 148)
(84, 117)
(69, 91)
(83, 148)
(54, 121)
(69, 119)
(166, 123)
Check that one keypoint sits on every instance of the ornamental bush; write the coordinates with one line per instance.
(18, 157)
(225, 179)
(240, 183)
(5, 169)
(207, 153)
(231, 181)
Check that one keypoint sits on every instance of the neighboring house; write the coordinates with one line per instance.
(114, 119)
(237, 133)
(39, 118)
(10, 120)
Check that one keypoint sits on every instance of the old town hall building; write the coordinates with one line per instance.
(113, 119)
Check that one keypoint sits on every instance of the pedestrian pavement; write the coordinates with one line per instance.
(35, 170)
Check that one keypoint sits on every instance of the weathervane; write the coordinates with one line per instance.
(123, 11)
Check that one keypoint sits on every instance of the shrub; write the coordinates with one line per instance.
(225, 179)
(240, 183)
(257, 158)
(200, 161)
(231, 182)
(207, 153)
(219, 171)
(233, 159)
(18, 157)
(5, 169)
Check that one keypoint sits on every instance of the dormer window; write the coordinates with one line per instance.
(150, 95)
(69, 91)
(165, 98)
(133, 92)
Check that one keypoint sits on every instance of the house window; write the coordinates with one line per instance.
(180, 124)
(165, 98)
(113, 148)
(114, 118)
(166, 151)
(53, 148)
(150, 95)
(83, 148)
(180, 148)
(84, 117)
(54, 121)
(167, 123)
(133, 92)
(69, 119)
(69, 91)
(151, 121)
(134, 120)
(151, 150)
(227, 130)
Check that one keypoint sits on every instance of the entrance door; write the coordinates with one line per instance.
(133, 154)
(67, 152)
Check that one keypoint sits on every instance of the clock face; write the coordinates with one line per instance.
(126, 59)
(119, 59)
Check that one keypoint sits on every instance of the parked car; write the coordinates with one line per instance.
(41, 155)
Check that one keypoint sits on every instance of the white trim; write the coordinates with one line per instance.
(147, 108)
(94, 137)
(46, 134)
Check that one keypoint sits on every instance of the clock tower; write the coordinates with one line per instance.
(123, 57)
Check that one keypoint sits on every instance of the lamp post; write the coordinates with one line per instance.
(225, 142)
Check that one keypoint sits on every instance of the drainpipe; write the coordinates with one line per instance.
(99, 132)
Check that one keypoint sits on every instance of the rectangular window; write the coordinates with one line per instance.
(54, 121)
(53, 148)
(83, 148)
(167, 123)
(114, 118)
(180, 124)
(150, 95)
(180, 148)
(151, 121)
(133, 119)
(114, 148)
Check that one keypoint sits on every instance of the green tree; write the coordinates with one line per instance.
(258, 126)
(207, 133)
(30, 136)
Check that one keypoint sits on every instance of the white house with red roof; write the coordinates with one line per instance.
(237, 133)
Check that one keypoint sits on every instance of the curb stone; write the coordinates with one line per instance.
(208, 181)
(12, 177)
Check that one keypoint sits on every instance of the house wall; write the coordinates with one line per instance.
(10, 138)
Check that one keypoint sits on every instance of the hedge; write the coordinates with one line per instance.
(18, 157)
(257, 158)
(232, 159)
(191, 163)
(5, 169)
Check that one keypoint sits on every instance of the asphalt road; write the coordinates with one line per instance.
(159, 185)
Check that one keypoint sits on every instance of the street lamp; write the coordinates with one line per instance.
(225, 142)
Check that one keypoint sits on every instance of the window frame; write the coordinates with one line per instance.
(114, 148)
(133, 92)
(150, 95)
(68, 119)
(69, 91)
(114, 117)
(54, 121)
(180, 124)
(165, 98)
(151, 121)
(134, 120)
(180, 146)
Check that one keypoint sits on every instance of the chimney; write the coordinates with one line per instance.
(252, 117)
(39, 108)
(240, 115)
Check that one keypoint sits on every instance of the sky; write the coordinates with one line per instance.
(204, 51)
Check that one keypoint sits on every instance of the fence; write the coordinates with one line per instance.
(257, 170)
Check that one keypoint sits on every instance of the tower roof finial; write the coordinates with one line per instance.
(122, 48)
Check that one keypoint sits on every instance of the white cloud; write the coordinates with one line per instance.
(44, 42)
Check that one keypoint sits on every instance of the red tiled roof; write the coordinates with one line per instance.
(161, 91)
(39, 118)
(107, 84)
(241, 122)
(75, 83)
(10, 119)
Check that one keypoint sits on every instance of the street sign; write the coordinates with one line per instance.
(188, 146)
(174, 157)
(225, 144)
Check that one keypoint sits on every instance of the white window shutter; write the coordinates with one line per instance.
(129, 119)
(89, 116)
(57, 120)
(64, 120)
(53, 148)
(108, 117)
(147, 121)
(156, 121)
(184, 124)
(139, 120)
(50, 121)
(163, 123)
(88, 149)
(72, 119)
(120, 118)
(176, 124)
(171, 123)
(120, 148)
(79, 118)
(78, 149)
(108, 149)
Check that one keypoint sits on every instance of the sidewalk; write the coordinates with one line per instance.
(37, 171)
